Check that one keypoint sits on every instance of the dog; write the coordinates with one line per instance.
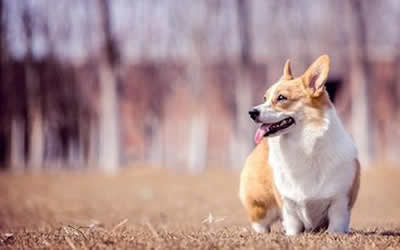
(304, 168)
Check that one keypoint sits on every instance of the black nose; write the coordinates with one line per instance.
(254, 113)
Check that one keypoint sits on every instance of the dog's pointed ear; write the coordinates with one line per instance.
(287, 71)
(315, 77)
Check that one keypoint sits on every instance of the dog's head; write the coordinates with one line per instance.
(292, 102)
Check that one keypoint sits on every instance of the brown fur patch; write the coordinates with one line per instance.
(257, 190)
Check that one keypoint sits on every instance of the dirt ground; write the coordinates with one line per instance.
(166, 209)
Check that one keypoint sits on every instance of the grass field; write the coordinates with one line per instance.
(155, 208)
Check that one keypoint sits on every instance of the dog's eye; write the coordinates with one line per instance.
(281, 98)
(265, 99)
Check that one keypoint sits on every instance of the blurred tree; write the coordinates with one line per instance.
(63, 81)
(242, 142)
(362, 123)
(89, 120)
(198, 129)
(109, 67)
(14, 108)
(3, 61)
(35, 114)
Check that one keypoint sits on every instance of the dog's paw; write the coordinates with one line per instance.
(337, 230)
(291, 232)
(260, 228)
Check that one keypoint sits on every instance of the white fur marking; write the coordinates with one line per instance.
(313, 162)
(291, 222)
(258, 227)
(339, 216)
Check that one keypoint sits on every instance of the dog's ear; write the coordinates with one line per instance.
(287, 71)
(316, 75)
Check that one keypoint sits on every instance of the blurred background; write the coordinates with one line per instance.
(107, 84)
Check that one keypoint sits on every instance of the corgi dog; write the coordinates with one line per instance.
(304, 168)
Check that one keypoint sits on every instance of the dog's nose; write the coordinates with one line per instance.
(254, 113)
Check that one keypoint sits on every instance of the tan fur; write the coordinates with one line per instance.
(294, 91)
(257, 190)
(316, 75)
(287, 71)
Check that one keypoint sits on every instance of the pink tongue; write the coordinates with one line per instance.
(261, 131)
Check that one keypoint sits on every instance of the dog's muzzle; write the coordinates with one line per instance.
(254, 114)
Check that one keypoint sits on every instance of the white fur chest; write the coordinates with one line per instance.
(313, 163)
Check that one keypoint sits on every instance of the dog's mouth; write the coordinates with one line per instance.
(267, 129)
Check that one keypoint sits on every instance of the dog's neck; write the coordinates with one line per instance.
(313, 142)
(309, 134)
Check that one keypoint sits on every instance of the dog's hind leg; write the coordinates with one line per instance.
(262, 218)
(257, 190)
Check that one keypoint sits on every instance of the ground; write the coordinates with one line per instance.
(168, 209)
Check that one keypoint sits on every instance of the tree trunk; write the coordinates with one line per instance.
(108, 120)
(243, 131)
(109, 111)
(17, 145)
(155, 141)
(394, 133)
(198, 142)
(198, 129)
(36, 142)
(35, 117)
(243, 12)
(93, 143)
(197, 81)
(361, 109)
(241, 141)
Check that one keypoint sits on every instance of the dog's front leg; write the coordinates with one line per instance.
(339, 215)
(291, 222)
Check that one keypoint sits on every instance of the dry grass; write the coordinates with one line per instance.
(154, 208)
